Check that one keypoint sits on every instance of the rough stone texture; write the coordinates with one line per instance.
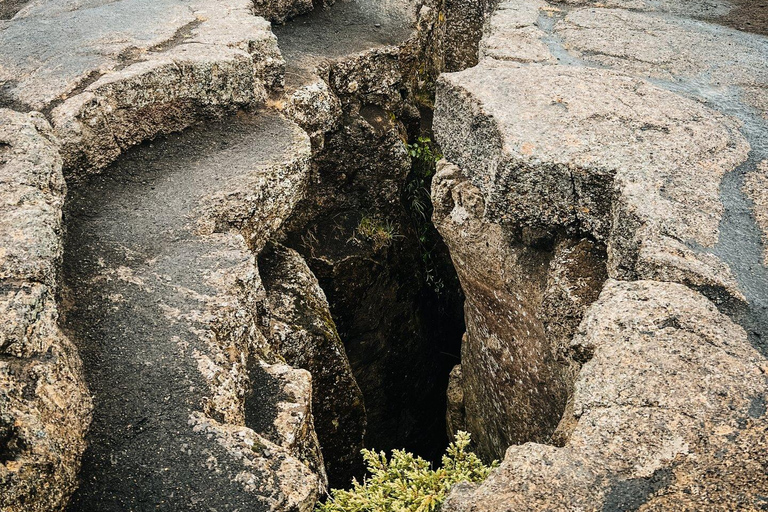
(300, 328)
(731, 474)
(668, 409)
(525, 136)
(698, 8)
(668, 381)
(523, 303)
(44, 405)
(465, 20)
(455, 415)
(666, 47)
(292, 426)
(174, 63)
(756, 187)
(356, 89)
(163, 301)
(279, 11)
(512, 34)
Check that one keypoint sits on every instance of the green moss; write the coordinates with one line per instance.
(406, 483)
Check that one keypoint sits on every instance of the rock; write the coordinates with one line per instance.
(668, 48)
(523, 303)
(756, 188)
(456, 416)
(668, 380)
(175, 63)
(280, 11)
(695, 8)
(374, 79)
(524, 136)
(284, 414)
(44, 404)
(512, 34)
(300, 328)
(267, 469)
(464, 22)
(163, 300)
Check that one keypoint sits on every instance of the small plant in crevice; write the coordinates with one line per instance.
(406, 483)
(380, 233)
(424, 156)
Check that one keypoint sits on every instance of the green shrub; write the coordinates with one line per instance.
(407, 483)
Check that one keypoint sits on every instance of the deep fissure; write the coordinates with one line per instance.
(365, 231)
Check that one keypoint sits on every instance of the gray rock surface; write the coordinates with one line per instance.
(666, 47)
(756, 187)
(512, 33)
(162, 300)
(113, 74)
(698, 8)
(299, 326)
(44, 404)
(525, 136)
(667, 395)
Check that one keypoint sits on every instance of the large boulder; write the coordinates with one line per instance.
(667, 385)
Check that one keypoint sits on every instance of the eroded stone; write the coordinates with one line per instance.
(44, 405)
(527, 137)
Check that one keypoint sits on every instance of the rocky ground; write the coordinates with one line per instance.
(632, 128)
(221, 318)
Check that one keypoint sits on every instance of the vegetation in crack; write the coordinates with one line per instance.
(416, 192)
(406, 483)
(377, 231)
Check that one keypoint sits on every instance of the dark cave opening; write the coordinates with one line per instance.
(393, 292)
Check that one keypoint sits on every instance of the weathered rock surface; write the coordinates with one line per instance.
(668, 381)
(299, 326)
(464, 23)
(526, 137)
(668, 408)
(279, 11)
(44, 405)
(523, 304)
(756, 187)
(666, 47)
(698, 8)
(355, 88)
(163, 297)
(113, 74)
(512, 33)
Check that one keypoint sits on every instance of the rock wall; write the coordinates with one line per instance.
(44, 404)
(300, 328)
(585, 210)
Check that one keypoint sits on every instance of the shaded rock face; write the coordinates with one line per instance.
(524, 300)
(44, 404)
(299, 326)
(355, 229)
(357, 237)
